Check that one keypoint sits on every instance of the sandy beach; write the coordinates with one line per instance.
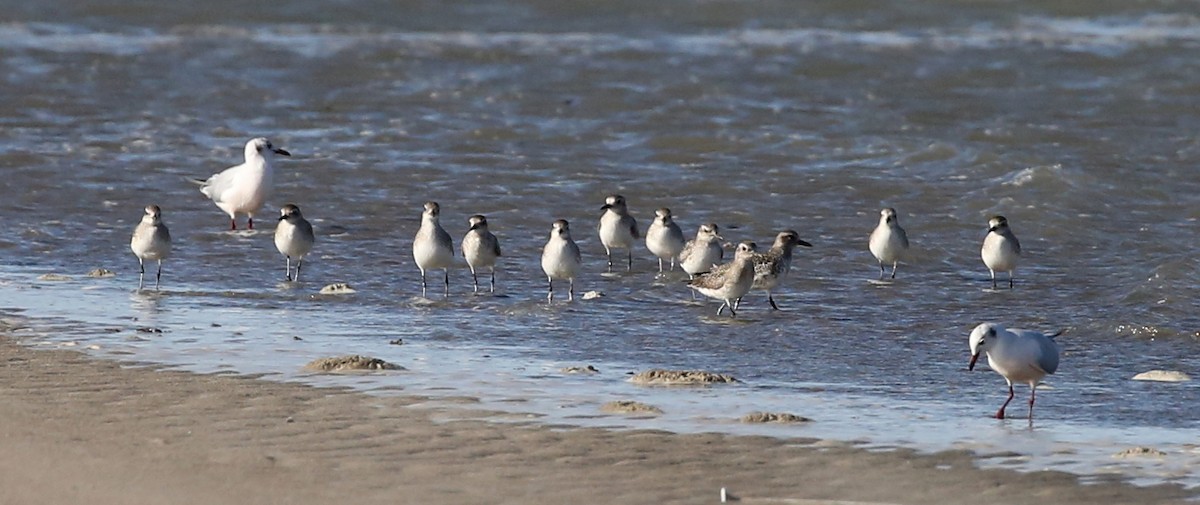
(77, 429)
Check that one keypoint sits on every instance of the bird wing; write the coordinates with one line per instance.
(1037, 348)
(903, 237)
(495, 245)
(216, 185)
(633, 227)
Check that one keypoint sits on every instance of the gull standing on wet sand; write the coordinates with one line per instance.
(701, 253)
(433, 248)
(561, 259)
(243, 189)
(1001, 250)
(151, 241)
(1017, 355)
(293, 238)
(888, 242)
(730, 281)
(664, 239)
(617, 228)
(772, 266)
(480, 248)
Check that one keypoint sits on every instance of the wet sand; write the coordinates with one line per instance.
(77, 429)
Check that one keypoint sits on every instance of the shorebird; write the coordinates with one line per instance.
(561, 259)
(664, 239)
(617, 228)
(151, 241)
(888, 242)
(432, 247)
(243, 189)
(480, 248)
(772, 266)
(1001, 250)
(1017, 355)
(293, 238)
(701, 253)
(729, 281)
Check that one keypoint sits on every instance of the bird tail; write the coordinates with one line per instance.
(1057, 333)
(193, 180)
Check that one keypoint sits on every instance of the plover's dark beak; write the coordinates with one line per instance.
(281, 151)
(605, 207)
(803, 243)
(473, 227)
(971, 365)
(282, 217)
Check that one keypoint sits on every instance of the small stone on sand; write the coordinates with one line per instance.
(350, 363)
(629, 407)
(339, 288)
(1140, 452)
(592, 295)
(580, 369)
(101, 272)
(680, 377)
(53, 277)
(1162, 376)
(772, 417)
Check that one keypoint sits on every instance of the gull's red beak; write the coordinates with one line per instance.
(971, 365)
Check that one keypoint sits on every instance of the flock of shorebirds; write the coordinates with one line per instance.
(1018, 355)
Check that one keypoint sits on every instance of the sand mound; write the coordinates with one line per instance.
(101, 272)
(338, 288)
(680, 377)
(592, 295)
(53, 277)
(772, 417)
(1140, 452)
(580, 369)
(629, 407)
(350, 363)
(1162, 376)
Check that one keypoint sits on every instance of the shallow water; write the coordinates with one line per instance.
(1074, 121)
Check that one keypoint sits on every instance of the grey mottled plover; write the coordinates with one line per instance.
(888, 241)
(772, 266)
(151, 241)
(664, 239)
(243, 189)
(1001, 250)
(294, 238)
(701, 253)
(480, 248)
(561, 259)
(729, 281)
(433, 248)
(1017, 355)
(618, 229)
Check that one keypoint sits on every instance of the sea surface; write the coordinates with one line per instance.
(1077, 121)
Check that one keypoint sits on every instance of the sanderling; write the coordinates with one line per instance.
(729, 281)
(151, 241)
(243, 189)
(888, 242)
(1017, 355)
(1001, 250)
(664, 239)
(772, 266)
(561, 259)
(701, 253)
(293, 238)
(480, 248)
(432, 247)
(617, 228)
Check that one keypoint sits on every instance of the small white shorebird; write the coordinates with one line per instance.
(618, 229)
(729, 281)
(664, 239)
(293, 238)
(701, 253)
(243, 189)
(561, 259)
(1017, 355)
(432, 247)
(888, 242)
(772, 266)
(151, 241)
(1001, 250)
(480, 248)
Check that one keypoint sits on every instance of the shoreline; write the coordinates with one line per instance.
(83, 429)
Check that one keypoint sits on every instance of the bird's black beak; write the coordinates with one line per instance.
(971, 365)
(605, 207)
(992, 229)
(473, 227)
(281, 218)
(281, 151)
(803, 243)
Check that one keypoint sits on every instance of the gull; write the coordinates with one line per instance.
(151, 241)
(243, 189)
(561, 259)
(294, 238)
(701, 253)
(888, 242)
(1017, 355)
(433, 248)
(1001, 250)
(480, 248)
(617, 228)
(730, 281)
(772, 266)
(664, 239)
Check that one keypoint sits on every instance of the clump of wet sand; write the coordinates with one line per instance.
(1162, 376)
(338, 288)
(629, 407)
(660, 377)
(350, 363)
(579, 369)
(773, 417)
(1140, 452)
(53, 277)
(101, 273)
